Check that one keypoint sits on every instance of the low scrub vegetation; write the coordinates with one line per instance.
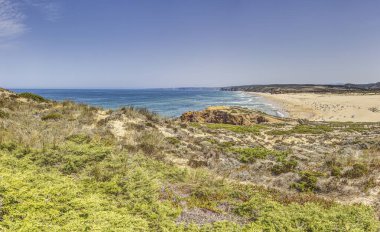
(304, 129)
(236, 128)
(250, 155)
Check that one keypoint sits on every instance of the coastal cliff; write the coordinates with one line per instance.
(229, 115)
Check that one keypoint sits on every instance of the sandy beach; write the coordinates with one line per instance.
(328, 107)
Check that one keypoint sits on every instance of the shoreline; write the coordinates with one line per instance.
(327, 107)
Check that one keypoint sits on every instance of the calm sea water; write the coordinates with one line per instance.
(167, 102)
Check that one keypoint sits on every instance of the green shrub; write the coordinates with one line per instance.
(33, 97)
(52, 116)
(336, 171)
(334, 166)
(8, 146)
(357, 170)
(307, 182)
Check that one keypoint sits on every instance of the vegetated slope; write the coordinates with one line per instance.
(308, 88)
(71, 167)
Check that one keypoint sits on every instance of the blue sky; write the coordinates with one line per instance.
(175, 43)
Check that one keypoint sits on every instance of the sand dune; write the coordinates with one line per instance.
(329, 107)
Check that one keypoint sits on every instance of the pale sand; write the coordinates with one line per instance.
(328, 107)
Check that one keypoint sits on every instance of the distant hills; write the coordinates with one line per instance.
(308, 88)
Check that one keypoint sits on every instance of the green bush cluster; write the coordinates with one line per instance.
(307, 182)
(33, 97)
(270, 215)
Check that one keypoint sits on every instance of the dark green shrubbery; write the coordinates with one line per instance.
(307, 182)
(33, 97)
(334, 166)
(357, 170)
(52, 116)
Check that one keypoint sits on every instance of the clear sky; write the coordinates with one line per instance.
(179, 43)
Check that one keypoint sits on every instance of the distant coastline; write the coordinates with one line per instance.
(308, 88)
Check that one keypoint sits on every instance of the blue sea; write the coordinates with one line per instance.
(167, 102)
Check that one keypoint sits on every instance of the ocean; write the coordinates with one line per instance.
(166, 102)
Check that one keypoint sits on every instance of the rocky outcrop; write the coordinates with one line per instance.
(229, 115)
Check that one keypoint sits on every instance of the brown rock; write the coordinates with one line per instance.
(229, 115)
